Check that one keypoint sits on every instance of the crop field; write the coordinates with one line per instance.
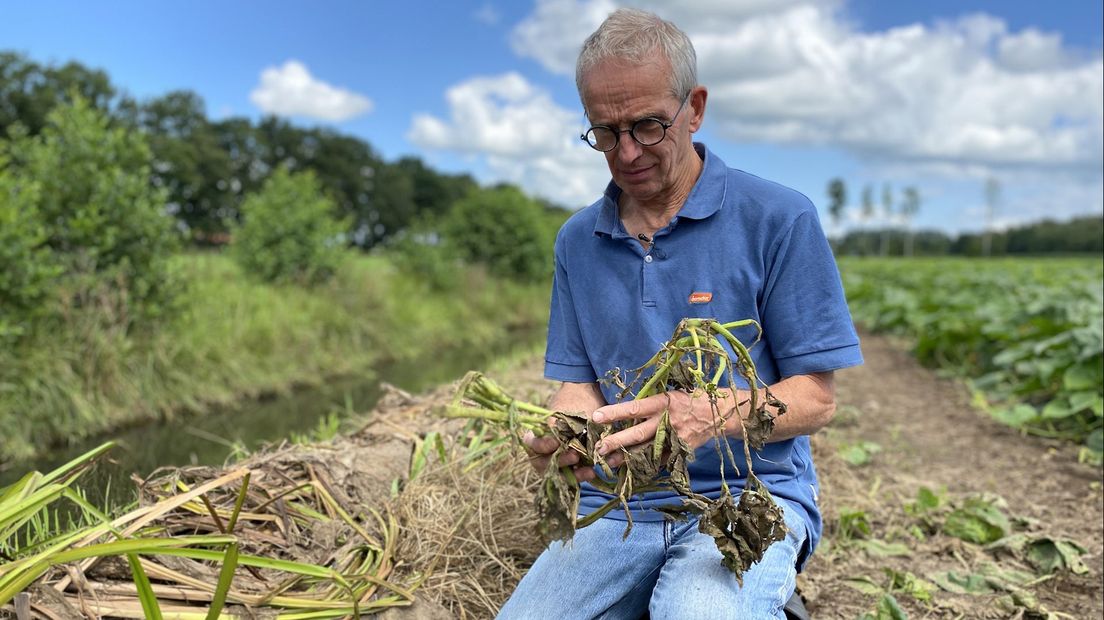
(1027, 334)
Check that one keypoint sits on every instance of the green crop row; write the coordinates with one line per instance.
(1028, 334)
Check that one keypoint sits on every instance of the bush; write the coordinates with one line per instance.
(95, 212)
(28, 268)
(289, 233)
(503, 229)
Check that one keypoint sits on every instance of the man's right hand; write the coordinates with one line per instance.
(541, 450)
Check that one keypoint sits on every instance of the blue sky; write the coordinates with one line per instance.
(940, 95)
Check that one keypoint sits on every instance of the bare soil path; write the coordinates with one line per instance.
(930, 436)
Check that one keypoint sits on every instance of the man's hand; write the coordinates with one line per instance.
(691, 415)
(585, 397)
(541, 450)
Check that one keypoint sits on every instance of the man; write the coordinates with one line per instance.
(679, 234)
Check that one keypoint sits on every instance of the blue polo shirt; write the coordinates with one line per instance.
(740, 248)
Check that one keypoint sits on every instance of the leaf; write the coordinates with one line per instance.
(1047, 555)
(962, 583)
(908, 583)
(888, 609)
(1082, 376)
(150, 607)
(1017, 415)
(860, 453)
(866, 585)
(1057, 408)
(977, 521)
(883, 549)
(1080, 401)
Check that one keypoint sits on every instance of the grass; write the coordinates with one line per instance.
(233, 338)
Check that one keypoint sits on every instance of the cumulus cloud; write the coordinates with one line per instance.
(525, 136)
(291, 90)
(961, 93)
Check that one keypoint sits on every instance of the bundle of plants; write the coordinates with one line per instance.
(280, 535)
(466, 520)
(700, 356)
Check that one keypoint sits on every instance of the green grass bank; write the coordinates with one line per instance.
(232, 338)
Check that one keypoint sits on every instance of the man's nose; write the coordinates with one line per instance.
(628, 149)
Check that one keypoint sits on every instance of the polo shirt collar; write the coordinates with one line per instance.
(705, 199)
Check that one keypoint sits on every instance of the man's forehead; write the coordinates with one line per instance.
(618, 90)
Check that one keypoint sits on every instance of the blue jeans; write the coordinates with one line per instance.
(667, 569)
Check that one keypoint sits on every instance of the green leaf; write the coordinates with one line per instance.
(1057, 408)
(866, 585)
(883, 549)
(977, 521)
(1017, 415)
(1095, 441)
(962, 583)
(150, 607)
(860, 453)
(1083, 376)
(1080, 401)
(226, 577)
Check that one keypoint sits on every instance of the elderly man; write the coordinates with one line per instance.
(679, 234)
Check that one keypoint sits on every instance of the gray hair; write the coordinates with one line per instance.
(635, 35)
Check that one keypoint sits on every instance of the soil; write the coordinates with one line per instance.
(932, 437)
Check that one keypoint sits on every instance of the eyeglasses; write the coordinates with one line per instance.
(646, 131)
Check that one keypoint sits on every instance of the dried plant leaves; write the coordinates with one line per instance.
(743, 531)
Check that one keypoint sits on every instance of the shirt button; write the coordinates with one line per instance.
(647, 258)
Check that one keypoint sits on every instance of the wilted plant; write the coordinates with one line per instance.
(695, 360)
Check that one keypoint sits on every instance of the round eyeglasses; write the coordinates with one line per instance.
(647, 131)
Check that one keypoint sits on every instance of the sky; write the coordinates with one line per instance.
(945, 96)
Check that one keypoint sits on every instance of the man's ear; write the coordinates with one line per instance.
(697, 105)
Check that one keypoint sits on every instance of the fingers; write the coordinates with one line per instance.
(636, 434)
(541, 449)
(630, 410)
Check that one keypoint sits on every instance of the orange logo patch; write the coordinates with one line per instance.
(700, 298)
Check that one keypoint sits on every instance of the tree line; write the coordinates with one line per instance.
(895, 236)
(207, 167)
(99, 190)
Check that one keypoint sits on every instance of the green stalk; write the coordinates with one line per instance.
(150, 607)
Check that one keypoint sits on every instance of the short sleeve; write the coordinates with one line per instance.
(805, 316)
(565, 357)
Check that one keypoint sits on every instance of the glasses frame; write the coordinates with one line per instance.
(632, 130)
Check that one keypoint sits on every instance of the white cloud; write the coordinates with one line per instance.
(290, 90)
(526, 138)
(962, 93)
(554, 33)
(487, 15)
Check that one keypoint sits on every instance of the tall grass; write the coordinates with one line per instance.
(233, 338)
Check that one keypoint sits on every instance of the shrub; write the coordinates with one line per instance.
(503, 229)
(289, 232)
(97, 213)
(27, 268)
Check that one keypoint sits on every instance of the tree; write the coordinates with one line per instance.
(290, 232)
(887, 215)
(29, 270)
(909, 208)
(105, 224)
(992, 198)
(503, 229)
(188, 161)
(29, 91)
(837, 193)
(867, 213)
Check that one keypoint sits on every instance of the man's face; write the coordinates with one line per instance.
(617, 94)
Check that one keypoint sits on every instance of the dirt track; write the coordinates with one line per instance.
(931, 436)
